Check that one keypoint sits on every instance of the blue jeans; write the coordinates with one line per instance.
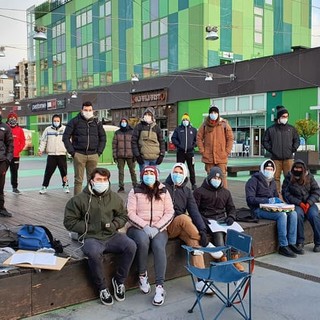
(314, 218)
(147, 163)
(286, 225)
(158, 247)
(94, 250)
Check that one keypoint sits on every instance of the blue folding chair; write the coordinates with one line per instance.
(237, 283)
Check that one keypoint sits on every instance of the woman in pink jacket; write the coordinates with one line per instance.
(150, 210)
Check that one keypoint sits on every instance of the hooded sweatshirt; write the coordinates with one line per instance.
(214, 203)
(183, 199)
(259, 189)
(121, 143)
(51, 139)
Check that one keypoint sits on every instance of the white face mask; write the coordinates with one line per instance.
(268, 174)
(213, 116)
(215, 183)
(56, 124)
(147, 118)
(100, 187)
(185, 123)
(283, 120)
(87, 114)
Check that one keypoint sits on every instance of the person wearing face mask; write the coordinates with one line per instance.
(150, 211)
(261, 188)
(301, 189)
(122, 152)
(51, 143)
(187, 224)
(148, 145)
(184, 138)
(96, 215)
(19, 142)
(215, 142)
(215, 202)
(282, 141)
(85, 140)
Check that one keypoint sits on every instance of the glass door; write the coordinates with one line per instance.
(257, 147)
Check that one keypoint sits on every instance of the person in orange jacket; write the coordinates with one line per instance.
(19, 142)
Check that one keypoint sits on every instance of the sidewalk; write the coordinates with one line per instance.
(276, 295)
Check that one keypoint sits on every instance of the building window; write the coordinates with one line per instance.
(258, 26)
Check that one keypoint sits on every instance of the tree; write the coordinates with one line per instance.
(306, 129)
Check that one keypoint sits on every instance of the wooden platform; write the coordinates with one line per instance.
(25, 292)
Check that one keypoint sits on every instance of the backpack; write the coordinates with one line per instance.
(8, 236)
(245, 215)
(32, 237)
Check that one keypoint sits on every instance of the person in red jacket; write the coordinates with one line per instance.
(19, 142)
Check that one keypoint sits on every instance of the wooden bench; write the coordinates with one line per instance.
(313, 168)
(233, 170)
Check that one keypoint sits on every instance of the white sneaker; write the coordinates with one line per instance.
(66, 189)
(43, 190)
(200, 285)
(144, 284)
(215, 255)
(159, 297)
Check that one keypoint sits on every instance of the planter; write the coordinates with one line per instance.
(308, 157)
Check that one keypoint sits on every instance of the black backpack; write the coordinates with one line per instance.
(245, 215)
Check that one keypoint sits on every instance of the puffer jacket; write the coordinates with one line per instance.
(84, 136)
(184, 202)
(6, 143)
(282, 141)
(214, 203)
(155, 213)
(19, 140)
(121, 143)
(259, 190)
(147, 141)
(107, 208)
(215, 141)
(185, 138)
(51, 141)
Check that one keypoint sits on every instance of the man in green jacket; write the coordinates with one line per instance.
(96, 214)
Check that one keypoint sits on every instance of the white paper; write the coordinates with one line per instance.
(217, 227)
(277, 206)
(39, 258)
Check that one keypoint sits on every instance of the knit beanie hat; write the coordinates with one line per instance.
(185, 117)
(267, 164)
(12, 115)
(281, 110)
(215, 172)
(151, 110)
(213, 108)
(153, 169)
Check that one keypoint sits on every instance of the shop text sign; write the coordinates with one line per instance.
(148, 99)
(52, 104)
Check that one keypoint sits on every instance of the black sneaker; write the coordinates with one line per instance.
(121, 189)
(5, 213)
(119, 290)
(16, 190)
(296, 249)
(316, 248)
(106, 297)
(287, 252)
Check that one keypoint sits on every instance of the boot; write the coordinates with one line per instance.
(238, 265)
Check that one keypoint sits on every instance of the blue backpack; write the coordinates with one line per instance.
(32, 237)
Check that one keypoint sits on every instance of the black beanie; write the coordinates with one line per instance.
(281, 110)
(213, 108)
(269, 164)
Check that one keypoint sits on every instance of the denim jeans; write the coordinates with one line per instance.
(158, 247)
(94, 250)
(147, 163)
(314, 218)
(286, 225)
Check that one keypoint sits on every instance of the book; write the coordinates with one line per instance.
(34, 258)
(223, 227)
(277, 207)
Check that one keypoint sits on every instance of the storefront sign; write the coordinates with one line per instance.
(38, 106)
(52, 104)
(149, 99)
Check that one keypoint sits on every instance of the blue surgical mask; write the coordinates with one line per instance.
(177, 178)
(56, 124)
(185, 123)
(268, 174)
(101, 187)
(213, 116)
(215, 183)
(149, 179)
(123, 124)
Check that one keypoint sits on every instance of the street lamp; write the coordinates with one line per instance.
(2, 54)
(40, 33)
(212, 33)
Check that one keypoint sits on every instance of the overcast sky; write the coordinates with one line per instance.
(13, 32)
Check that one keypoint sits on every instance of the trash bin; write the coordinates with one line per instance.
(106, 156)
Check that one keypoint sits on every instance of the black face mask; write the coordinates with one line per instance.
(297, 174)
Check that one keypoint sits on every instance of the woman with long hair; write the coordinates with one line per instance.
(150, 210)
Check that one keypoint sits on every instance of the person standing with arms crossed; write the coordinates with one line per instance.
(215, 141)
(85, 140)
(184, 138)
(19, 142)
(51, 143)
